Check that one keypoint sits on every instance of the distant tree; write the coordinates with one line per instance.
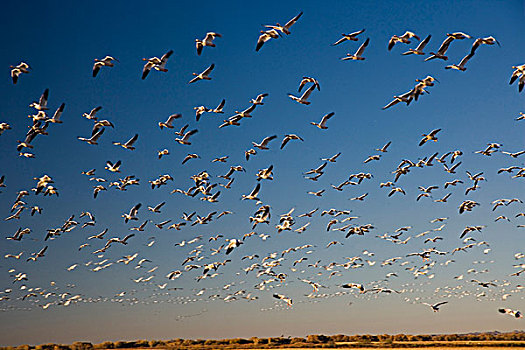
(239, 341)
(175, 342)
(105, 345)
(81, 346)
(366, 338)
(141, 343)
(312, 338)
(297, 340)
(426, 337)
(339, 338)
(45, 347)
(275, 341)
(400, 337)
(60, 347)
(156, 343)
(317, 338)
(384, 338)
(262, 341)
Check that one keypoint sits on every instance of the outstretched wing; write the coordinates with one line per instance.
(209, 69)
(146, 69)
(293, 20)
(165, 57)
(326, 117)
(423, 43)
(362, 47)
(132, 140)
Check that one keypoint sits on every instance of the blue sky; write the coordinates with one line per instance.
(472, 108)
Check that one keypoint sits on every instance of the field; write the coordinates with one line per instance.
(457, 345)
(400, 345)
(311, 342)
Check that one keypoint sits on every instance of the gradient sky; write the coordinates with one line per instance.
(60, 40)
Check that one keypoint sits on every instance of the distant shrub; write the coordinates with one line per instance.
(297, 340)
(81, 346)
(105, 345)
(61, 347)
(45, 347)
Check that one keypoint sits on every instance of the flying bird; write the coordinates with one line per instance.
(253, 195)
(440, 54)
(169, 122)
(16, 71)
(156, 63)
(420, 47)
(132, 215)
(435, 307)
(207, 41)
(265, 36)
(264, 143)
(93, 140)
(351, 37)
(184, 140)
(286, 28)
(357, 56)
(461, 65)
(304, 97)
(128, 144)
(41, 104)
(203, 75)
(429, 136)
(284, 298)
(405, 39)
(490, 40)
(105, 62)
(514, 313)
(322, 123)
(288, 138)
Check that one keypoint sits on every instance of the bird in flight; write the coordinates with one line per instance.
(286, 28)
(357, 56)
(431, 136)
(207, 41)
(204, 75)
(420, 47)
(405, 39)
(351, 37)
(304, 97)
(324, 119)
(156, 63)
(18, 70)
(435, 307)
(105, 62)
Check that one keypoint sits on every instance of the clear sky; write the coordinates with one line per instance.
(475, 107)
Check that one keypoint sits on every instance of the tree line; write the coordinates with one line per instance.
(314, 340)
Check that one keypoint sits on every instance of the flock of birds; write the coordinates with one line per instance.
(206, 255)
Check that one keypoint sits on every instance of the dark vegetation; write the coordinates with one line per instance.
(489, 339)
